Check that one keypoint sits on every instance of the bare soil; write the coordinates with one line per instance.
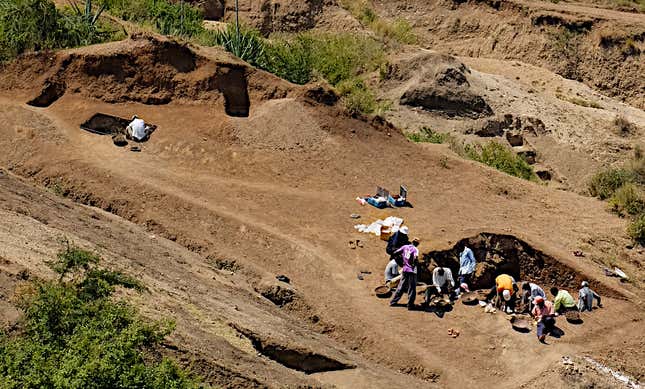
(215, 206)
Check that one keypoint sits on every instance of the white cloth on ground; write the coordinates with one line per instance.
(375, 228)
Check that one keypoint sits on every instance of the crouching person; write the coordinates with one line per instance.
(562, 301)
(586, 297)
(408, 282)
(545, 315)
(442, 283)
(137, 130)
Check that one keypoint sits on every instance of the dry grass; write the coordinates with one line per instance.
(578, 101)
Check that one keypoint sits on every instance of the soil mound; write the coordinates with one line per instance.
(438, 83)
(291, 127)
(146, 70)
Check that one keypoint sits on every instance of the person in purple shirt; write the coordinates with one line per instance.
(408, 284)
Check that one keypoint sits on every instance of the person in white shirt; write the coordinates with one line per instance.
(442, 283)
(391, 271)
(137, 129)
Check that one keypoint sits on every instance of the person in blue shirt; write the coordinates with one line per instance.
(467, 264)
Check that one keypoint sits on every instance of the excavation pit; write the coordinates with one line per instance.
(104, 124)
(51, 92)
(506, 254)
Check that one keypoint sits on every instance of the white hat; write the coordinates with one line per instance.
(506, 294)
(585, 283)
(404, 230)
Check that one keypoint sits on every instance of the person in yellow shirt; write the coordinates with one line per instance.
(563, 301)
(504, 289)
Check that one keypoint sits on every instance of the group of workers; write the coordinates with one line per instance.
(505, 294)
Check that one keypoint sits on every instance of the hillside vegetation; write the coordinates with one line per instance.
(76, 335)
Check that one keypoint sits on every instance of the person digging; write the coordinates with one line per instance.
(137, 130)
(586, 296)
(545, 315)
(442, 283)
(562, 301)
(503, 292)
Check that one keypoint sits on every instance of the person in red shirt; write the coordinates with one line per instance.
(545, 315)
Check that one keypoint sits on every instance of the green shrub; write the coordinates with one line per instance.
(501, 158)
(341, 57)
(399, 30)
(636, 230)
(357, 98)
(628, 199)
(291, 59)
(27, 25)
(426, 135)
(604, 183)
(168, 18)
(74, 335)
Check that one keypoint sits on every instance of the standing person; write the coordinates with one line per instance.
(396, 241)
(467, 265)
(442, 282)
(529, 292)
(586, 297)
(408, 283)
(545, 315)
(562, 301)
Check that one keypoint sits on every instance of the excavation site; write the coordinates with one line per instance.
(322, 194)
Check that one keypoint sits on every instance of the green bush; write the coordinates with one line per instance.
(426, 135)
(74, 335)
(628, 199)
(27, 25)
(341, 57)
(636, 230)
(291, 59)
(398, 31)
(358, 98)
(604, 183)
(168, 18)
(501, 158)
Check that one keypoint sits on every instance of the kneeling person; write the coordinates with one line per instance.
(442, 283)
(562, 301)
(138, 130)
(545, 315)
(586, 297)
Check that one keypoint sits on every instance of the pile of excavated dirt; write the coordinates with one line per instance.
(602, 48)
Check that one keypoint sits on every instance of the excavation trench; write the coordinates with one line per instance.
(497, 254)
(296, 358)
(51, 92)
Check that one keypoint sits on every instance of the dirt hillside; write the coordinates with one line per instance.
(602, 48)
(220, 201)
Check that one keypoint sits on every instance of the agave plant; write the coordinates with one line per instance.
(244, 43)
(86, 13)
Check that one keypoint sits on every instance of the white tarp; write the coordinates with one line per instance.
(393, 223)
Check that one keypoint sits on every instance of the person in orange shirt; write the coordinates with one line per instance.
(545, 315)
(505, 288)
